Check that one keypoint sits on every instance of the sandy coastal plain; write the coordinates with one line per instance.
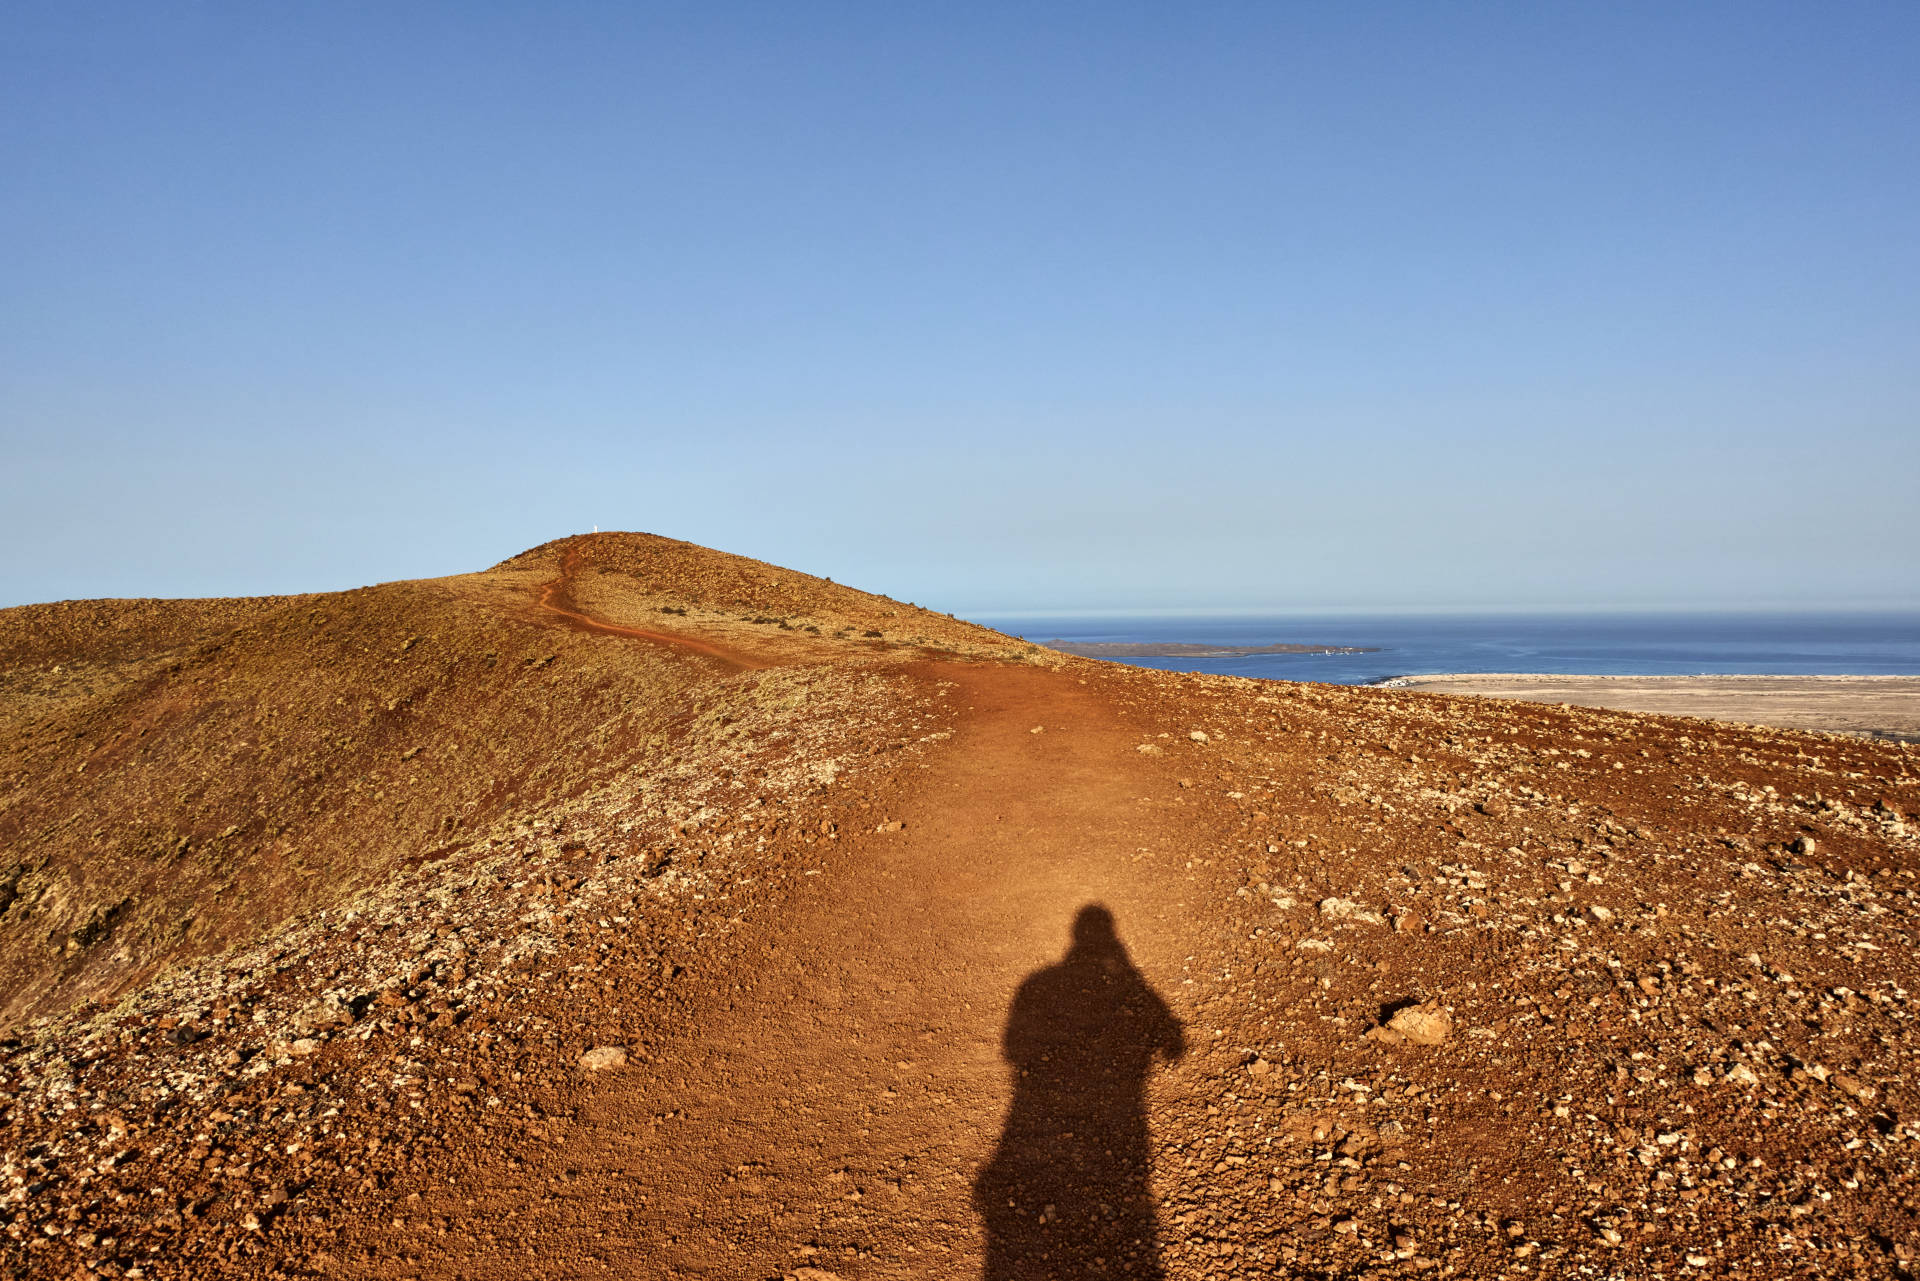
(1880, 706)
(1187, 649)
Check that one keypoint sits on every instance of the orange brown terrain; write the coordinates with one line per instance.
(634, 910)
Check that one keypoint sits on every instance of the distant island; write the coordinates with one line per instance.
(1187, 649)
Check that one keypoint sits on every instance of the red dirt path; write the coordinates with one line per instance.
(850, 1089)
(555, 598)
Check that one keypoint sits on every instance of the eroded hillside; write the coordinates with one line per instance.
(181, 776)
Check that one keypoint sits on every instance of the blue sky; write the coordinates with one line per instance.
(1044, 307)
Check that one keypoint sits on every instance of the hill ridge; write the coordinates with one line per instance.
(379, 923)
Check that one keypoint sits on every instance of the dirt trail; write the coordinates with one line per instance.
(850, 1095)
(556, 598)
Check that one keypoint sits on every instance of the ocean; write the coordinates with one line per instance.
(1851, 644)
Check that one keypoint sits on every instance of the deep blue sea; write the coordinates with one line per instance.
(1563, 644)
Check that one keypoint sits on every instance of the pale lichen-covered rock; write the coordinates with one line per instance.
(1345, 909)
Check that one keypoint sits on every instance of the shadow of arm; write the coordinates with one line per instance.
(1169, 1034)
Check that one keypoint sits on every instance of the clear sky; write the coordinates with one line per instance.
(1035, 306)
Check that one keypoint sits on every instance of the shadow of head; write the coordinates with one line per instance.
(1093, 927)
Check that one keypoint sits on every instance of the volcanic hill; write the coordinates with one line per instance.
(634, 910)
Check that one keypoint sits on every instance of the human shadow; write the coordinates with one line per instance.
(1069, 1192)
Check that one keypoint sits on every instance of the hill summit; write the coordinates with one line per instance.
(186, 774)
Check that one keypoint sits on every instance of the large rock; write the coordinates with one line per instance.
(603, 1058)
(1425, 1024)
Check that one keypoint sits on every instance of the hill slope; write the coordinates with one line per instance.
(585, 937)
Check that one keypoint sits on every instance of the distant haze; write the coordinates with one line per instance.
(994, 308)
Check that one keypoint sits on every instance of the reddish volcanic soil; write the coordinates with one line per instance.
(632, 910)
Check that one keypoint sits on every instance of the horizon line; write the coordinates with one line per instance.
(1394, 611)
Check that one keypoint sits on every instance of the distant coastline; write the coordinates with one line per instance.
(1188, 649)
(1373, 648)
